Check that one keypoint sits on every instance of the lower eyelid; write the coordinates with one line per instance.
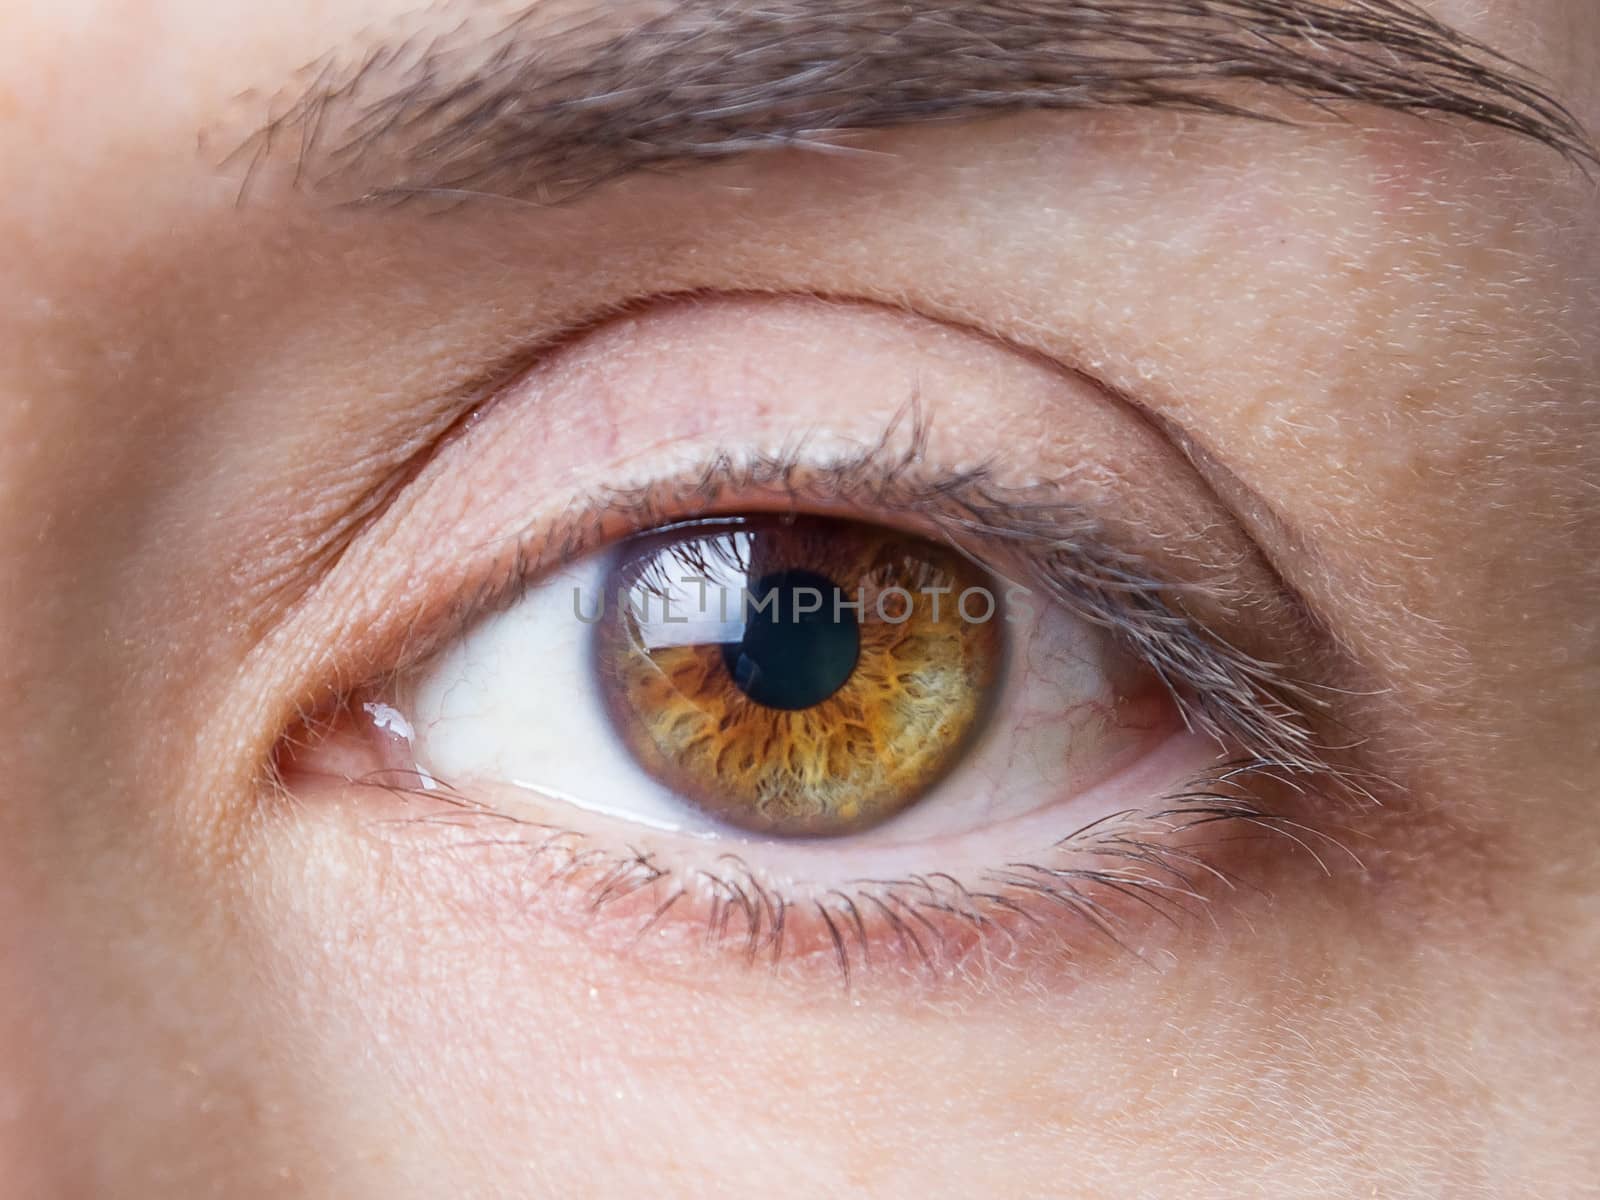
(1119, 876)
(1173, 757)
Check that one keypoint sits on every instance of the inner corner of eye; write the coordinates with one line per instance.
(355, 737)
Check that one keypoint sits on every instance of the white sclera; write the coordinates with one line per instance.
(515, 701)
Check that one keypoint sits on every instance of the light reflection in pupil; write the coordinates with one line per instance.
(800, 641)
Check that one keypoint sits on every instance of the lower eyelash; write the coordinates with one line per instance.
(932, 926)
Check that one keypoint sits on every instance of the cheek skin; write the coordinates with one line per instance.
(1275, 1052)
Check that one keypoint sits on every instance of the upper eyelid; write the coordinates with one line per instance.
(474, 398)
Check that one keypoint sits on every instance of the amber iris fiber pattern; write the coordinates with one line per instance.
(797, 677)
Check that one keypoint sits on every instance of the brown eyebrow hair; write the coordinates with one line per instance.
(553, 102)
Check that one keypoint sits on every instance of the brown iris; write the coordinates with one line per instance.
(797, 677)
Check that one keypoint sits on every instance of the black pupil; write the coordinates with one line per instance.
(800, 643)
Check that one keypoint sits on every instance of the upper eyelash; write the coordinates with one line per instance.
(1219, 689)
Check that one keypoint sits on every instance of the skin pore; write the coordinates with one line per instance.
(251, 436)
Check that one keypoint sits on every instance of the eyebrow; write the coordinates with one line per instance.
(554, 102)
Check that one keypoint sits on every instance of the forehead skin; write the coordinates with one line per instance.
(1378, 336)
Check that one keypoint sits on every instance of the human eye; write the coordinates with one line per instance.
(837, 710)
(752, 680)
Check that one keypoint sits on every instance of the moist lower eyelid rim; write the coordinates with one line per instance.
(1084, 893)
